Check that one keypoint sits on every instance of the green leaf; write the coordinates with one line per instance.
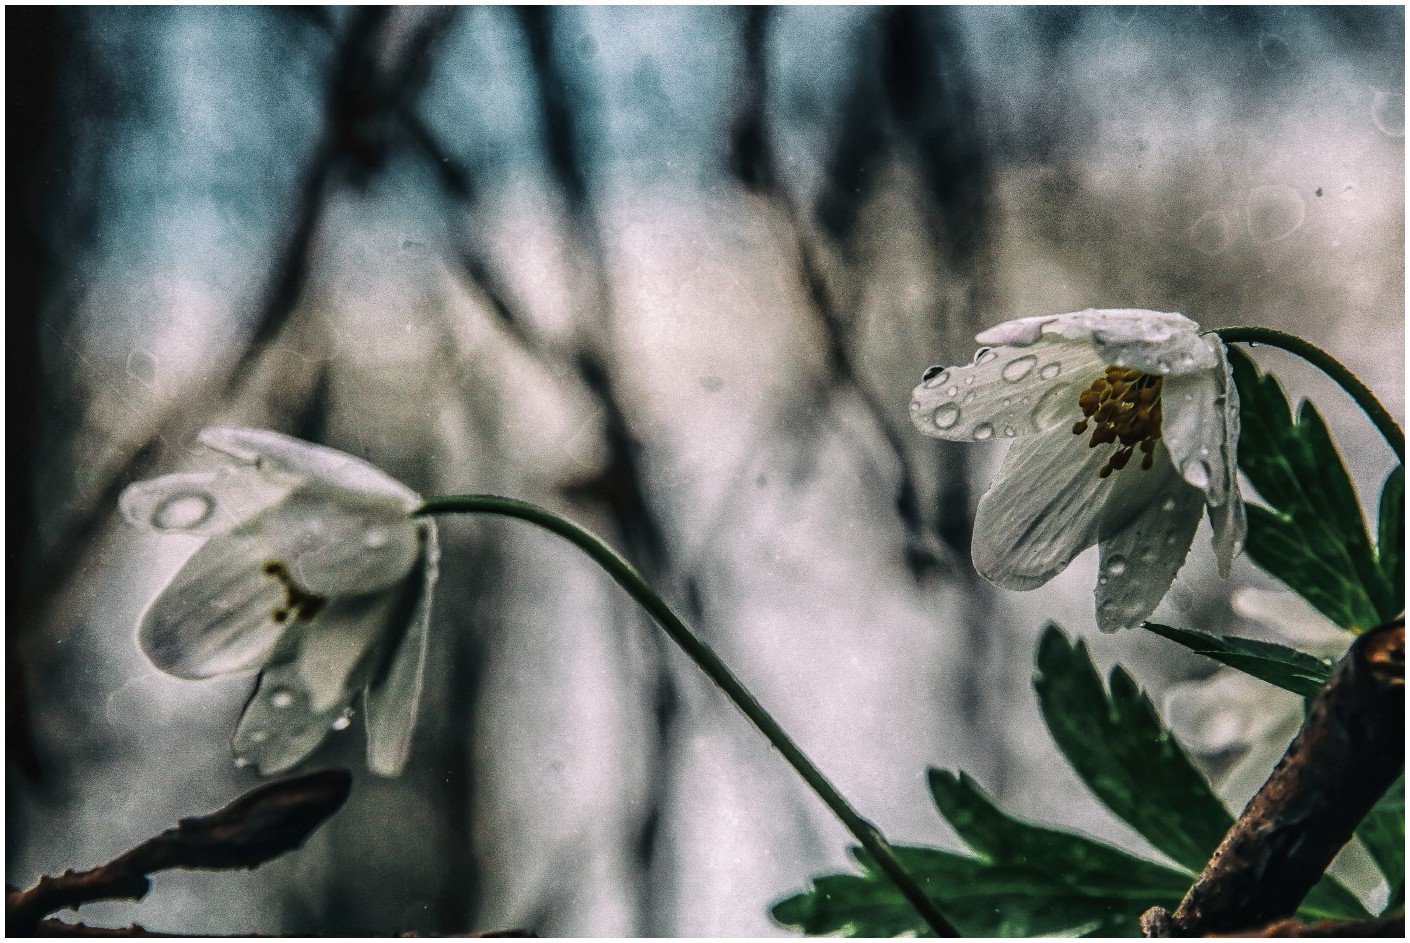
(1312, 535)
(1390, 533)
(1279, 665)
(1383, 834)
(1026, 880)
(1118, 746)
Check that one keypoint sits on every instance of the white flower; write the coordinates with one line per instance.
(314, 572)
(1125, 425)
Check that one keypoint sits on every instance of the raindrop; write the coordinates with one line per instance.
(259, 736)
(946, 416)
(1212, 234)
(984, 355)
(969, 381)
(376, 537)
(183, 511)
(1009, 431)
(1016, 370)
(983, 431)
(1050, 371)
(142, 367)
(343, 722)
(242, 761)
(1148, 554)
(1196, 473)
(1116, 566)
(952, 391)
(935, 376)
(1162, 365)
(1388, 111)
(1102, 581)
(1168, 504)
(281, 699)
(1275, 211)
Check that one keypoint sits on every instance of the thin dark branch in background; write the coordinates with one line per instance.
(264, 823)
(1349, 752)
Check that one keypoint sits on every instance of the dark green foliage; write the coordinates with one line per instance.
(1312, 535)
(1279, 665)
(1383, 834)
(1390, 534)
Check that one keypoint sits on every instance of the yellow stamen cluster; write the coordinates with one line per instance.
(298, 601)
(1125, 405)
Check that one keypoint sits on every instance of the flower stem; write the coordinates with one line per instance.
(1331, 367)
(634, 583)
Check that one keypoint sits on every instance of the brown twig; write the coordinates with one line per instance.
(262, 824)
(1349, 752)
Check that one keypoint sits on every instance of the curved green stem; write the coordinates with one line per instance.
(1331, 367)
(634, 583)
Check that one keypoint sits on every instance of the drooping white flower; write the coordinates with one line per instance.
(313, 572)
(1125, 425)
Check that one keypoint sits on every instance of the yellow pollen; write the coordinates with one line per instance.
(1125, 407)
(298, 602)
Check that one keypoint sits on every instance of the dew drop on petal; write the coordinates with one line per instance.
(259, 736)
(376, 537)
(1388, 111)
(242, 761)
(969, 381)
(1019, 368)
(946, 416)
(183, 511)
(343, 722)
(1050, 371)
(281, 699)
(983, 431)
(1116, 566)
(952, 391)
(1009, 431)
(984, 355)
(935, 376)
(1212, 234)
(1196, 473)
(1168, 504)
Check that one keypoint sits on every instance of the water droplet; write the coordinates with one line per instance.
(969, 381)
(1168, 504)
(1050, 371)
(1196, 473)
(1116, 566)
(1388, 111)
(1148, 555)
(915, 406)
(935, 376)
(946, 416)
(1019, 368)
(242, 761)
(142, 367)
(343, 722)
(984, 355)
(259, 736)
(1102, 581)
(1009, 431)
(183, 511)
(983, 431)
(952, 391)
(281, 699)
(1212, 233)
(1187, 359)
(1204, 450)
(1275, 211)
(1162, 365)
(376, 537)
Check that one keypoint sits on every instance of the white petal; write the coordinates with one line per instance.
(216, 614)
(1230, 527)
(1041, 510)
(392, 699)
(1195, 430)
(334, 546)
(1006, 392)
(1153, 342)
(199, 503)
(278, 730)
(1141, 553)
(318, 671)
(262, 448)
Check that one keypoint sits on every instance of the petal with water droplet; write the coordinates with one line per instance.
(1041, 510)
(199, 503)
(287, 455)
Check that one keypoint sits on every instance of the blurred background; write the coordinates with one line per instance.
(673, 272)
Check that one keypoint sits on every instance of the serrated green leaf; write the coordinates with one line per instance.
(1390, 533)
(1313, 535)
(1287, 668)
(1119, 748)
(1383, 834)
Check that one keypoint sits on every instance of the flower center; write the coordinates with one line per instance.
(298, 601)
(1125, 406)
